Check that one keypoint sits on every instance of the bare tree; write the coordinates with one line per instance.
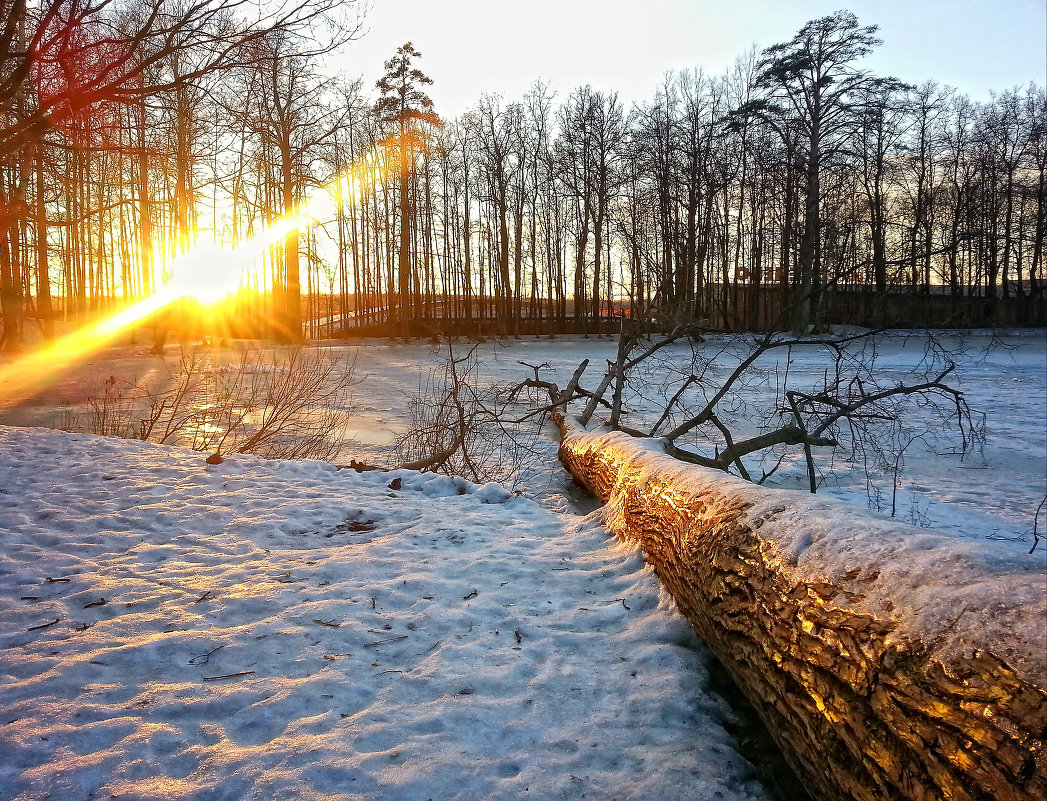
(878, 138)
(64, 61)
(592, 134)
(811, 83)
(501, 165)
(293, 115)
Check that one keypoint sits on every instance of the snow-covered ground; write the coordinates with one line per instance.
(263, 629)
(992, 492)
(259, 629)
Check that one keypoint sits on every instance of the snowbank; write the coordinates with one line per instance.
(262, 629)
(891, 662)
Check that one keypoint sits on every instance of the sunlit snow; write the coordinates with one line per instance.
(262, 629)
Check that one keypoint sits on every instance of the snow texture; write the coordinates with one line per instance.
(260, 629)
(958, 596)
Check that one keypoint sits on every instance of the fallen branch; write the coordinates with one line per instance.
(228, 676)
(382, 642)
(203, 659)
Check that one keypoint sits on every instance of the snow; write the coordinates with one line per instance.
(289, 630)
(991, 492)
(264, 629)
(956, 595)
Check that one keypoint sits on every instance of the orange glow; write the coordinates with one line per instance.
(208, 273)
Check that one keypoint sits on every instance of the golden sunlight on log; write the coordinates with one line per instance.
(881, 674)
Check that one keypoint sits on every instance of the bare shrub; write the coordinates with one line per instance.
(293, 406)
(112, 413)
(460, 426)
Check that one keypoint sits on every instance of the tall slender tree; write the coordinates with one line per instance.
(407, 111)
(812, 82)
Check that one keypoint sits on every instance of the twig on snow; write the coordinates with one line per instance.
(382, 642)
(203, 659)
(229, 675)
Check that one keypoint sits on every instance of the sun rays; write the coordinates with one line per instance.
(208, 273)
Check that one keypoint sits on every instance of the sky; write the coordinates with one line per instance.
(473, 47)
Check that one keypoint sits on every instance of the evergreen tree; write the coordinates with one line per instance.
(406, 111)
(811, 83)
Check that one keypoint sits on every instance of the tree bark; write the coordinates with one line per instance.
(869, 696)
(804, 294)
(404, 264)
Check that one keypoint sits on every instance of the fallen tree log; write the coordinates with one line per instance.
(888, 662)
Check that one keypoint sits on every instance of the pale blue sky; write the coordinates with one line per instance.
(470, 47)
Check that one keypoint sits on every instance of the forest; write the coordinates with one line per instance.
(794, 189)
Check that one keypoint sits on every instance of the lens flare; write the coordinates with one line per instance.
(208, 273)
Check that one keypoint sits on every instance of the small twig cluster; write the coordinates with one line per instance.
(460, 426)
(289, 407)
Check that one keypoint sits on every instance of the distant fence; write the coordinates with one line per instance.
(761, 308)
(729, 308)
(471, 327)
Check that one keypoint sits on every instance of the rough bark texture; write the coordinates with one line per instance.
(919, 697)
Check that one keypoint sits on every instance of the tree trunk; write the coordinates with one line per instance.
(43, 276)
(404, 275)
(291, 312)
(11, 201)
(875, 678)
(10, 306)
(805, 288)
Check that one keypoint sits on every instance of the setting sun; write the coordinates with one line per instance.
(327, 326)
(208, 273)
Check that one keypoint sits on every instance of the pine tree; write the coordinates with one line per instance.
(811, 83)
(406, 111)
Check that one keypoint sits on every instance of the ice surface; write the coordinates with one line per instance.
(991, 492)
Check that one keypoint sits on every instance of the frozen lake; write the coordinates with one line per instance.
(991, 490)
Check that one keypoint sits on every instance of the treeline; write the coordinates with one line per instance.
(796, 171)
